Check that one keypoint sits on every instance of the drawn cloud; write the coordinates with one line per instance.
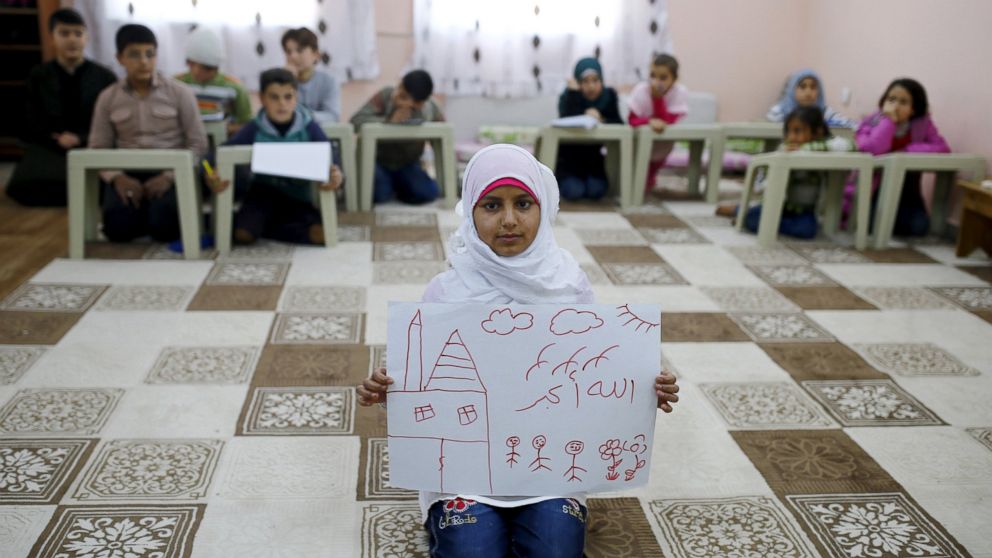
(504, 322)
(574, 321)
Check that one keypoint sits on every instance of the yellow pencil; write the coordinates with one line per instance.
(208, 168)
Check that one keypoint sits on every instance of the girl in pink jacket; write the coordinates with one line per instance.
(657, 103)
(902, 123)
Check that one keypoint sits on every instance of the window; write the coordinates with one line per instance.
(424, 412)
(467, 415)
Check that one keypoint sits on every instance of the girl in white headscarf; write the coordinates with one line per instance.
(504, 251)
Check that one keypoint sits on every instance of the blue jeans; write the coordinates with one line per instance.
(794, 224)
(409, 184)
(549, 529)
(573, 187)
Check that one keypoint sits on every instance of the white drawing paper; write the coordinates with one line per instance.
(583, 121)
(309, 160)
(521, 400)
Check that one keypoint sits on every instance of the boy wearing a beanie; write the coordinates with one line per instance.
(220, 96)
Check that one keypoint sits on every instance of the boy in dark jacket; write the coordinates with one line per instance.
(60, 99)
(278, 207)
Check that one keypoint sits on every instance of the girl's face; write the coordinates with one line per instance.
(591, 86)
(798, 132)
(661, 79)
(898, 104)
(807, 90)
(507, 219)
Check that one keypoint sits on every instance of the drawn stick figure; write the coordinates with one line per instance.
(511, 456)
(574, 448)
(538, 443)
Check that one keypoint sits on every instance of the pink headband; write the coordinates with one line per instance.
(507, 181)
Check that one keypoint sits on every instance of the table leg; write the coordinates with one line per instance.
(695, 165)
(715, 170)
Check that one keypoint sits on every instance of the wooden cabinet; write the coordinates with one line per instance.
(24, 43)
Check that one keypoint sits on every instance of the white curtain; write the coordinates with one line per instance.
(250, 29)
(519, 48)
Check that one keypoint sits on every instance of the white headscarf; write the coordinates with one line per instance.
(543, 273)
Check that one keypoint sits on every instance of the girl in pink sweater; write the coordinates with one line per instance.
(902, 123)
(658, 103)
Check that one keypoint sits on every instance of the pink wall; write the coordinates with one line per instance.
(943, 45)
(742, 52)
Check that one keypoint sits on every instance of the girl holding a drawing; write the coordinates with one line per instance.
(505, 252)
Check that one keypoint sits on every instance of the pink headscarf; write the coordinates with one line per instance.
(543, 273)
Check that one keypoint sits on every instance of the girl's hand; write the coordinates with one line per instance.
(595, 114)
(336, 179)
(657, 124)
(573, 85)
(373, 389)
(215, 184)
(665, 387)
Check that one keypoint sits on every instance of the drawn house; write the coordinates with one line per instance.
(449, 413)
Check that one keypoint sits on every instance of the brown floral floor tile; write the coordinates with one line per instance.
(984, 314)
(897, 255)
(39, 471)
(872, 525)
(370, 422)
(298, 411)
(120, 531)
(407, 251)
(405, 234)
(624, 254)
(618, 528)
(393, 530)
(373, 474)
(655, 220)
(821, 361)
(813, 462)
(871, 403)
(737, 526)
(700, 327)
(358, 218)
(230, 297)
(310, 365)
(115, 250)
(983, 272)
(825, 298)
(604, 205)
(35, 328)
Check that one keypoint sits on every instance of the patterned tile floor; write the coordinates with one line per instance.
(835, 403)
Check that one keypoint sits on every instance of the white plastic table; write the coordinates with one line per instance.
(344, 134)
(696, 134)
(84, 191)
(230, 156)
(619, 140)
(442, 138)
(837, 165)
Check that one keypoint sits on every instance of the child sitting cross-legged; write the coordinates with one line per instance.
(278, 207)
(805, 130)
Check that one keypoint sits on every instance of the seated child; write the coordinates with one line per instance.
(805, 130)
(805, 89)
(60, 98)
(318, 90)
(397, 166)
(581, 169)
(659, 102)
(902, 123)
(219, 95)
(145, 110)
(277, 207)
(504, 252)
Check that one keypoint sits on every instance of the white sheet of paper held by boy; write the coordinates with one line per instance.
(309, 160)
(521, 400)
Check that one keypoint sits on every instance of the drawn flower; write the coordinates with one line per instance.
(611, 449)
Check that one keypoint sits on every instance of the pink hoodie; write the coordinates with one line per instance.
(875, 135)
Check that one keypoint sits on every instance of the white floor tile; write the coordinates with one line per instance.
(164, 411)
(899, 275)
(121, 272)
(708, 266)
(722, 362)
